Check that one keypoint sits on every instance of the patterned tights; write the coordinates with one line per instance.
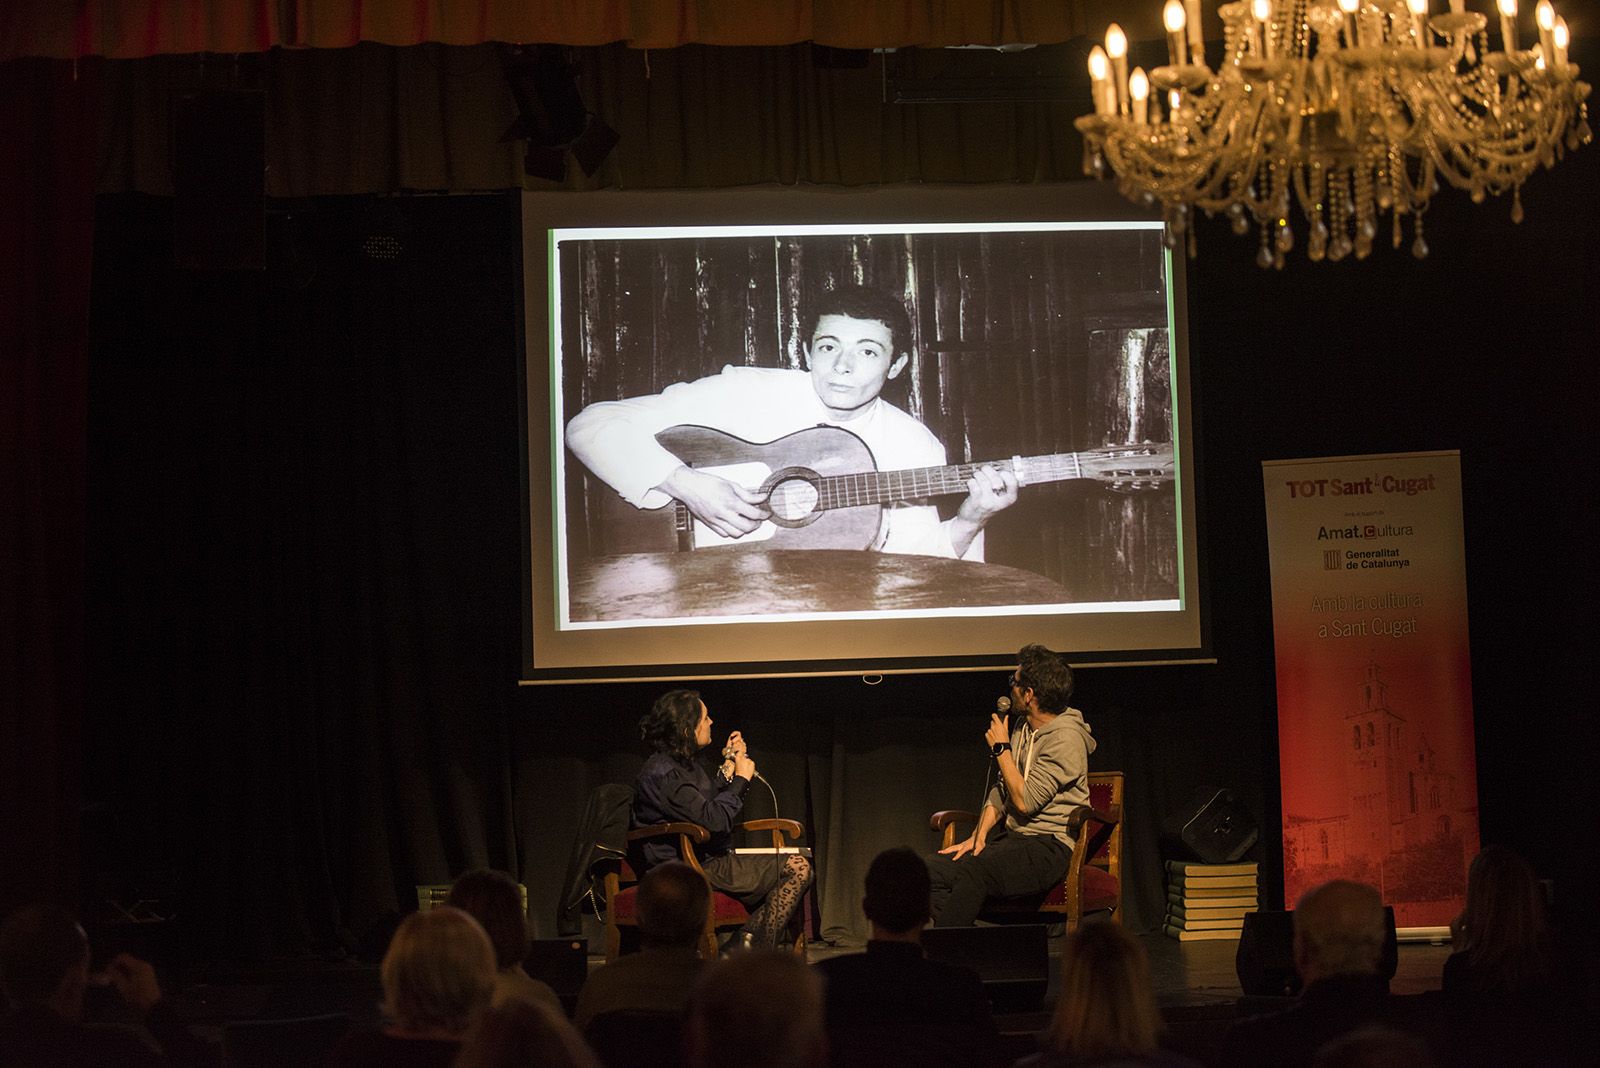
(769, 923)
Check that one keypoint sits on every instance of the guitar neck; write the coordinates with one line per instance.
(882, 487)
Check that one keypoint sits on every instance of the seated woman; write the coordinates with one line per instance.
(1506, 990)
(679, 782)
(494, 899)
(437, 976)
(1107, 1013)
(1502, 943)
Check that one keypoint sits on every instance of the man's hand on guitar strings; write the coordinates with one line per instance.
(726, 507)
(990, 490)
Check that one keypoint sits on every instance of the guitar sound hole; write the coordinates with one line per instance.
(793, 502)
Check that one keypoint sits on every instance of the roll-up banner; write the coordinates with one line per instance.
(1369, 614)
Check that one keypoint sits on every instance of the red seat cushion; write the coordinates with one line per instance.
(1099, 889)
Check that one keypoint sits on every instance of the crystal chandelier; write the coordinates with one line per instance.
(1350, 108)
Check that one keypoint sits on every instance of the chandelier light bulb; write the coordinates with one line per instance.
(1174, 18)
(1139, 91)
(1117, 41)
(1261, 9)
(1139, 85)
(1105, 97)
(1545, 13)
(1508, 25)
(1349, 7)
(1420, 7)
(1562, 35)
(1099, 66)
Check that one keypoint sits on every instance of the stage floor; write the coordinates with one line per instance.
(1197, 975)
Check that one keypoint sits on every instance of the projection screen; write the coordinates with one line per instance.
(956, 419)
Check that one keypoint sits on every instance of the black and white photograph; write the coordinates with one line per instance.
(856, 421)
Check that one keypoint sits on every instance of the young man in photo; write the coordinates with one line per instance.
(858, 340)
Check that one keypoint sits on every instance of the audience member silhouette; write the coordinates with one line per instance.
(893, 1004)
(44, 974)
(1339, 932)
(1504, 993)
(1374, 1047)
(523, 1034)
(673, 901)
(438, 975)
(1501, 943)
(494, 899)
(761, 1009)
(1107, 1013)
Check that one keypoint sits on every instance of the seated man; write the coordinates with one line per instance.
(893, 1003)
(1339, 932)
(44, 974)
(673, 901)
(1022, 843)
(858, 339)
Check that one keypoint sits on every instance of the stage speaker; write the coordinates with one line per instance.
(1265, 959)
(1222, 831)
(1012, 960)
(219, 181)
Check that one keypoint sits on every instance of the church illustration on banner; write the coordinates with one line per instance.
(1406, 830)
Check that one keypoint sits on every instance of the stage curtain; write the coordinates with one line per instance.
(46, 213)
(375, 119)
(125, 29)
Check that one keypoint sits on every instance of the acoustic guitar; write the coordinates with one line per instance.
(825, 492)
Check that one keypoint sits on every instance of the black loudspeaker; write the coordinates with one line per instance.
(219, 181)
(1222, 831)
(1265, 960)
(561, 962)
(1012, 960)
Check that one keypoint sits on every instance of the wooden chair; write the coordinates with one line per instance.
(621, 885)
(1094, 879)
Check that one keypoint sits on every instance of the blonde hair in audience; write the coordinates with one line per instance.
(1107, 1006)
(439, 972)
(521, 1033)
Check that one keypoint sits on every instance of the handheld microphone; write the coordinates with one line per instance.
(1002, 705)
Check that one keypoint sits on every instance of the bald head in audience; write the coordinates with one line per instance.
(1339, 929)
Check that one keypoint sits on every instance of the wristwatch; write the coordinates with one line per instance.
(998, 747)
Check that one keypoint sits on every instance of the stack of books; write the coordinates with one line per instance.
(1208, 901)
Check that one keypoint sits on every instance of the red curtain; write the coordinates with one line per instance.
(129, 29)
(46, 228)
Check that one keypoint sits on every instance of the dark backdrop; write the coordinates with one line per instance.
(304, 530)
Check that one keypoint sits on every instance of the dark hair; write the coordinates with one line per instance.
(673, 902)
(1047, 675)
(859, 302)
(898, 889)
(494, 899)
(39, 945)
(669, 725)
(1502, 929)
